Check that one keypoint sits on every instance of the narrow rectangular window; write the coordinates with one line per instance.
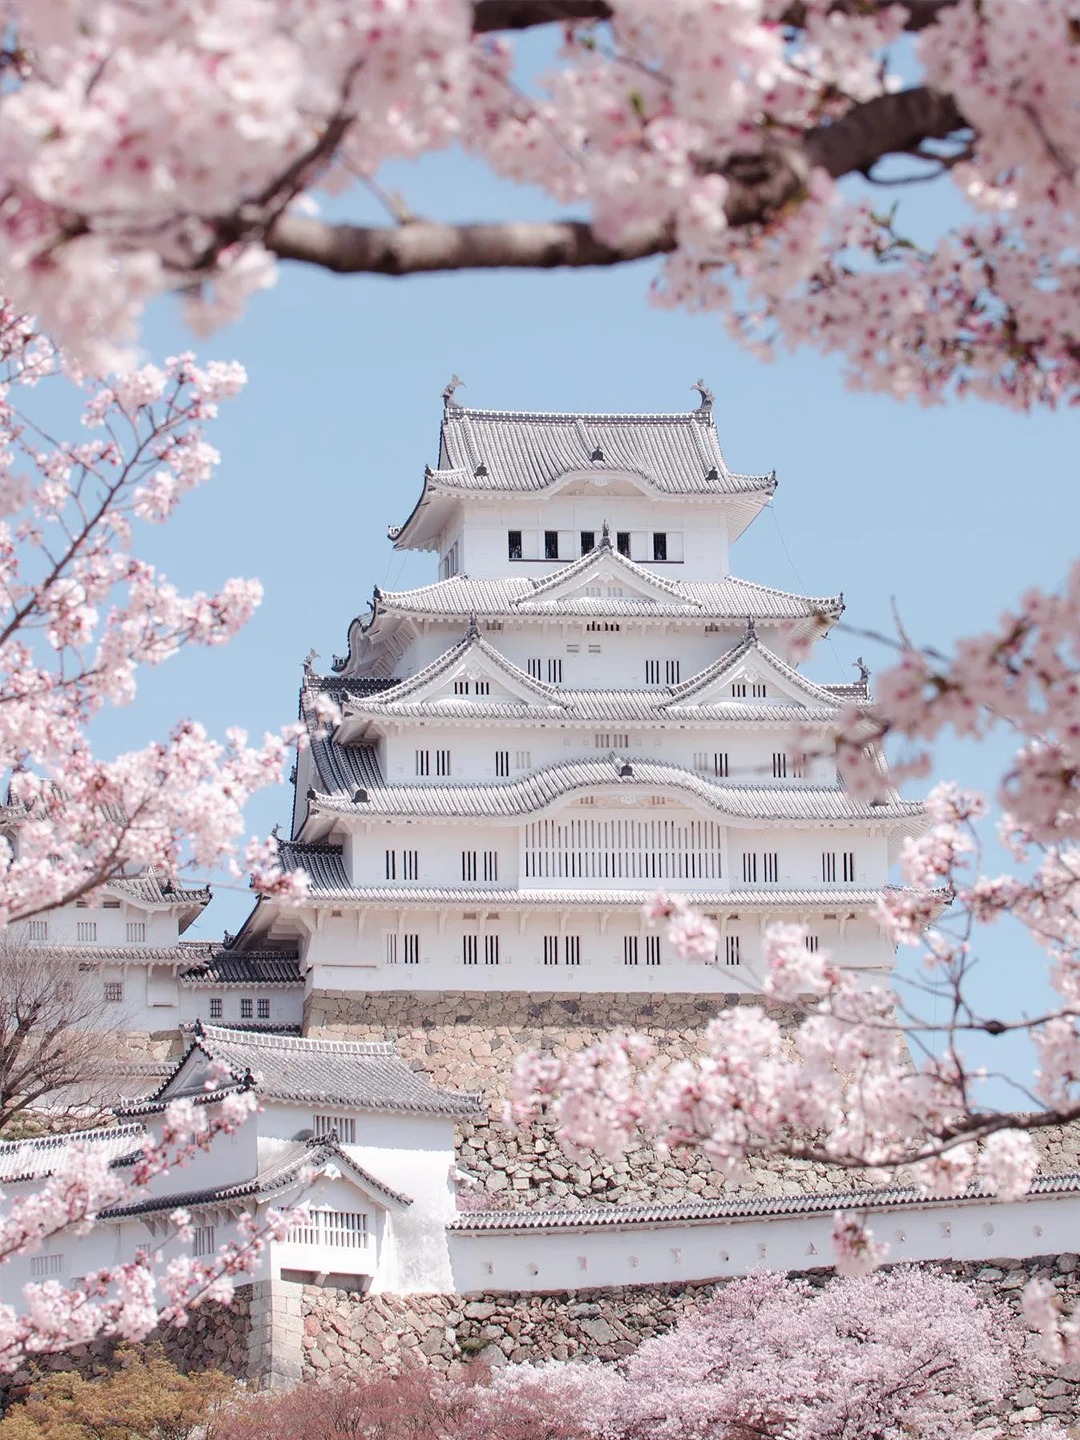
(659, 545)
(749, 867)
(391, 948)
(42, 1265)
(136, 932)
(615, 740)
(588, 541)
(535, 669)
(671, 672)
(247, 1009)
(812, 944)
(554, 672)
(202, 1242)
(469, 949)
(770, 862)
(343, 1126)
(828, 865)
(551, 949)
(502, 763)
(215, 1007)
(263, 1009)
(622, 542)
(798, 765)
(86, 930)
(849, 865)
(110, 904)
(412, 949)
(391, 865)
(738, 690)
(522, 759)
(410, 864)
(483, 687)
(114, 992)
(38, 930)
(461, 687)
(468, 864)
(423, 762)
(491, 949)
(551, 544)
(652, 672)
(442, 762)
(703, 761)
(513, 544)
(758, 690)
(731, 950)
(652, 949)
(491, 866)
(572, 949)
(779, 765)
(720, 765)
(630, 949)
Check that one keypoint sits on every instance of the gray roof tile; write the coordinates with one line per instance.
(254, 968)
(38, 1158)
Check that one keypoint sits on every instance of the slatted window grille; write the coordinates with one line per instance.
(462, 687)
(42, 1266)
(749, 867)
(799, 765)
(410, 864)
(551, 949)
(554, 672)
(622, 848)
(86, 930)
(513, 544)
(468, 864)
(203, 1241)
(572, 949)
(758, 690)
(491, 866)
(652, 949)
(738, 690)
(770, 867)
(38, 930)
(812, 944)
(609, 627)
(502, 763)
(423, 762)
(442, 762)
(262, 1008)
(551, 544)
(336, 1229)
(779, 765)
(671, 672)
(522, 759)
(652, 672)
(470, 948)
(630, 949)
(216, 1007)
(491, 949)
(840, 864)
(391, 947)
(247, 1009)
(536, 668)
(136, 932)
(483, 687)
(343, 1126)
(616, 740)
(659, 545)
(114, 992)
(732, 950)
(712, 762)
(848, 862)
(765, 866)
(391, 865)
(412, 949)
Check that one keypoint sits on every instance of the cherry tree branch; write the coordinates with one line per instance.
(493, 15)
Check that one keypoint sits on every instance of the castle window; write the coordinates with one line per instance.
(38, 930)
(391, 865)
(491, 866)
(410, 864)
(652, 672)
(671, 672)
(770, 867)
(535, 668)
(738, 690)
(391, 947)
(412, 949)
(470, 946)
(554, 672)
(247, 1009)
(758, 690)
(215, 1007)
(551, 949)
(114, 992)
(423, 762)
(136, 932)
(798, 766)
(461, 687)
(43, 1265)
(615, 741)
(203, 1242)
(749, 867)
(622, 542)
(442, 762)
(659, 545)
(86, 930)
(829, 867)
(652, 949)
(449, 563)
(491, 949)
(630, 949)
(588, 541)
(731, 950)
(513, 544)
(502, 763)
(263, 1009)
(483, 687)
(343, 1126)
(339, 1229)
(812, 944)
(522, 759)
(779, 765)
(551, 544)
(468, 865)
(572, 949)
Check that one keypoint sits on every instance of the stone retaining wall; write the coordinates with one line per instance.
(343, 1333)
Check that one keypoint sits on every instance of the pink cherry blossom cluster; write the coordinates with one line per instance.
(130, 1299)
(82, 613)
(144, 148)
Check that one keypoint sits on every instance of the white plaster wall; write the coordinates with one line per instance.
(343, 959)
(286, 1006)
(673, 1252)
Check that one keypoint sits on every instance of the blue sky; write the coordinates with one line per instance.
(950, 511)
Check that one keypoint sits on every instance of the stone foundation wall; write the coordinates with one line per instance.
(343, 1333)
(468, 1040)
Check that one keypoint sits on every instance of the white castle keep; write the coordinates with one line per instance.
(584, 708)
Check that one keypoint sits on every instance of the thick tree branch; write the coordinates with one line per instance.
(759, 186)
(491, 15)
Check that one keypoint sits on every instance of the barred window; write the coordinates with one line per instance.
(738, 690)
(215, 1007)
(412, 949)
(423, 762)
(202, 1242)
(339, 1229)
(572, 949)
(114, 992)
(502, 763)
(554, 672)
(442, 762)
(468, 865)
(46, 1265)
(652, 949)
(491, 949)
(38, 930)
(551, 949)
(758, 690)
(513, 544)
(247, 1009)
(731, 950)
(671, 672)
(630, 949)
(86, 930)
(263, 1009)
(343, 1126)
(136, 932)
(588, 541)
(470, 947)
(779, 765)
(491, 866)
(410, 864)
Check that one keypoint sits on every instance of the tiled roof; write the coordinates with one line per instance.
(793, 802)
(731, 599)
(682, 696)
(105, 954)
(285, 1170)
(344, 768)
(155, 889)
(592, 707)
(596, 1217)
(367, 1076)
(35, 1159)
(509, 450)
(254, 968)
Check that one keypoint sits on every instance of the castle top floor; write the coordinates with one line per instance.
(519, 493)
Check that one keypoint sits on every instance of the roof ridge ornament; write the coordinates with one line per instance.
(472, 631)
(309, 660)
(450, 402)
(864, 671)
(605, 535)
(707, 397)
(751, 628)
